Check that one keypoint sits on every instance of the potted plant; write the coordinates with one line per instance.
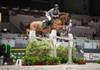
(98, 61)
(62, 54)
(79, 60)
(38, 53)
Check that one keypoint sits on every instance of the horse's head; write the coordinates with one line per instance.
(57, 24)
(62, 20)
(64, 17)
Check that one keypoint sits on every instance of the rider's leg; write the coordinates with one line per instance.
(48, 17)
(46, 23)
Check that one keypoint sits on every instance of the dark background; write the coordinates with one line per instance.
(94, 7)
(89, 7)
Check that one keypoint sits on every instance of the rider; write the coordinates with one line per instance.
(52, 14)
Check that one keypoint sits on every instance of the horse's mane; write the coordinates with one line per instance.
(65, 18)
(57, 21)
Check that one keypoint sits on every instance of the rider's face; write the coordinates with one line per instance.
(56, 7)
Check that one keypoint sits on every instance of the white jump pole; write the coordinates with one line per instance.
(70, 36)
(53, 40)
(70, 48)
(32, 34)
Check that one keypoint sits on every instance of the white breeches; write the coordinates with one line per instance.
(48, 17)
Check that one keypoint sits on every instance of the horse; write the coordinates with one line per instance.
(57, 24)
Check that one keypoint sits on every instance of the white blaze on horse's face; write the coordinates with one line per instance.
(70, 20)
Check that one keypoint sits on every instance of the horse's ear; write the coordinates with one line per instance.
(69, 16)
